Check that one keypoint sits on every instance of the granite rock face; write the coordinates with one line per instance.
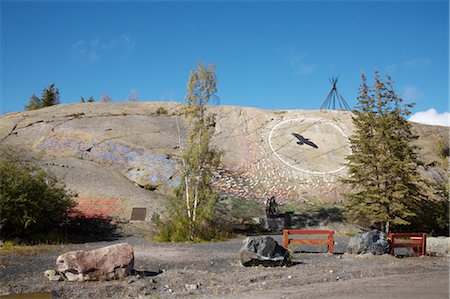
(374, 241)
(263, 250)
(106, 263)
(130, 152)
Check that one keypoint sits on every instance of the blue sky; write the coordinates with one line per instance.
(271, 55)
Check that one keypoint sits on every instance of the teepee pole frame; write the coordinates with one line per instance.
(334, 98)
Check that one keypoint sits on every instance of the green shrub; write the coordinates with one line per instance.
(32, 201)
(175, 226)
(161, 111)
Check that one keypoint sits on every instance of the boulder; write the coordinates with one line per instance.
(374, 241)
(105, 263)
(263, 250)
(439, 246)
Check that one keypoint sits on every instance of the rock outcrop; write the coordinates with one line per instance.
(106, 263)
(263, 250)
(118, 156)
(374, 241)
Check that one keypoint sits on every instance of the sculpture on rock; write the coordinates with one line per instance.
(110, 262)
(271, 207)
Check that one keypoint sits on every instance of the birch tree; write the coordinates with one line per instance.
(191, 210)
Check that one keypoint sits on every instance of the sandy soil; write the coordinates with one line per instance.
(212, 270)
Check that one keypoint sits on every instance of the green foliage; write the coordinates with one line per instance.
(441, 148)
(50, 97)
(240, 208)
(176, 227)
(91, 99)
(34, 104)
(161, 111)
(191, 213)
(383, 166)
(31, 200)
(82, 100)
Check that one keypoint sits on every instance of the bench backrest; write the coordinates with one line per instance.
(329, 241)
(416, 241)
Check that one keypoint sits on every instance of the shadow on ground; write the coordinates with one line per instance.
(82, 229)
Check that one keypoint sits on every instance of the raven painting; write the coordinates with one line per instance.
(303, 140)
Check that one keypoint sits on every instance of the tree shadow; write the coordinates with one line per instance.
(82, 229)
(321, 216)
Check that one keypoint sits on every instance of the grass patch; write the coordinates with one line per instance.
(26, 250)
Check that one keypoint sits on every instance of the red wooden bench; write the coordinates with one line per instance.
(416, 241)
(329, 241)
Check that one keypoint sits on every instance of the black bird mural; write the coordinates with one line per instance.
(303, 140)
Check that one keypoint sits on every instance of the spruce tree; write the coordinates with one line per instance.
(50, 96)
(383, 167)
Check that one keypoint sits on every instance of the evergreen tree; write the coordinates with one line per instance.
(91, 99)
(383, 166)
(50, 96)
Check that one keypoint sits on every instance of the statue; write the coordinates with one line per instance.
(271, 207)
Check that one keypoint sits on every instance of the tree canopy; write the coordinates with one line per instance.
(384, 167)
(50, 96)
(190, 214)
(32, 201)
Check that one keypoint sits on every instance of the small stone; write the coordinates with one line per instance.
(170, 291)
(331, 271)
(131, 280)
(337, 277)
(54, 278)
(191, 287)
(289, 277)
(72, 277)
(153, 281)
(50, 273)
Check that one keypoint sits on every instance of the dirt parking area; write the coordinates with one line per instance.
(212, 270)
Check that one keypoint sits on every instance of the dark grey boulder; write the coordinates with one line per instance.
(265, 251)
(374, 241)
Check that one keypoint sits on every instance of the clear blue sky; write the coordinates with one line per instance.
(269, 55)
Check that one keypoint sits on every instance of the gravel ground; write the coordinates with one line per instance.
(211, 270)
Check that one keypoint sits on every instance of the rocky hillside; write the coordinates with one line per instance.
(117, 156)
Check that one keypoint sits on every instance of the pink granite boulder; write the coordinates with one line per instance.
(106, 263)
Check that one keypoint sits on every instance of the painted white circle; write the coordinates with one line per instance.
(310, 145)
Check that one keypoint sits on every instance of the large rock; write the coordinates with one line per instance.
(374, 241)
(263, 250)
(105, 263)
(439, 246)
